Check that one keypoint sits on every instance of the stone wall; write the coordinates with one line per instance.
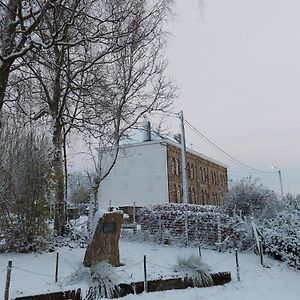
(204, 224)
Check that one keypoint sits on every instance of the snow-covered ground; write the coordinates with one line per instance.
(34, 273)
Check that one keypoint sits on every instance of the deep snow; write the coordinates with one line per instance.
(34, 273)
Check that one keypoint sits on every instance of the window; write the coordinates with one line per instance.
(175, 193)
(192, 171)
(179, 196)
(206, 175)
(178, 167)
(213, 198)
(193, 195)
(173, 162)
(206, 197)
(202, 197)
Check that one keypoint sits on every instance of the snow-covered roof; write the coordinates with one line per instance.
(163, 141)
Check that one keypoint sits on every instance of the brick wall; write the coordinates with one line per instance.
(207, 180)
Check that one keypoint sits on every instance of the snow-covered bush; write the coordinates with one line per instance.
(282, 233)
(96, 282)
(187, 223)
(76, 234)
(250, 198)
(24, 174)
(193, 268)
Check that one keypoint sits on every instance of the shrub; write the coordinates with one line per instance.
(250, 198)
(193, 268)
(98, 281)
(24, 190)
(282, 234)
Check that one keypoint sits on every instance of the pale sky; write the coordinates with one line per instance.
(238, 71)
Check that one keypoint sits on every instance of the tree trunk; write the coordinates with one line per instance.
(95, 192)
(58, 180)
(7, 41)
(4, 73)
(65, 172)
(93, 202)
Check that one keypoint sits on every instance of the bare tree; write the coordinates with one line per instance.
(134, 85)
(22, 29)
(100, 78)
(55, 78)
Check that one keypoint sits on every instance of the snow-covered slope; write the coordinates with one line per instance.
(34, 273)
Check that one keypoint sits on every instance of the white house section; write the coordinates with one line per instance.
(139, 175)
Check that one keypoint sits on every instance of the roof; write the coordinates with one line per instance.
(170, 142)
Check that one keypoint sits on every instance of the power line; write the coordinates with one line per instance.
(242, 175)
(233, 159)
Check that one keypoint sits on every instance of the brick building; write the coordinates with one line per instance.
(207, 179)
(150, 173)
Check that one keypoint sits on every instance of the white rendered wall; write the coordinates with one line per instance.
(139, 175)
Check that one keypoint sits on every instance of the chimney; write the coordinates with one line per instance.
(146, 131)
(177, 137)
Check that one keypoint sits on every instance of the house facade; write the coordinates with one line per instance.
(207, 179)
(150, 172)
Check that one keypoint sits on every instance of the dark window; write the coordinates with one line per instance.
(190, 195)
(188, 170)
(173, 167)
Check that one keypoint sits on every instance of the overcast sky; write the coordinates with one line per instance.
(238, 71)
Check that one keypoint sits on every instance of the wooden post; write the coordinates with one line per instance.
(186, 230)
(160, 230)
(134, 221)
(255, 234)
(7, 284)
(199, 250)
(237, 265)
(219, 233)
(145, 276)
(234, 211)
(134, 212)
(261, 253)
(56, 267)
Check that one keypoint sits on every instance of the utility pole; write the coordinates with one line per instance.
(183, 160)
(280, 179)
(281, 186)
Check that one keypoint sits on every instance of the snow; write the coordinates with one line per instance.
(34, 273)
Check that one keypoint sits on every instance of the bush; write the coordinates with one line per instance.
(98, 281)
(250, 198)
(192, 267)
(24, 187)
(282, 234)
